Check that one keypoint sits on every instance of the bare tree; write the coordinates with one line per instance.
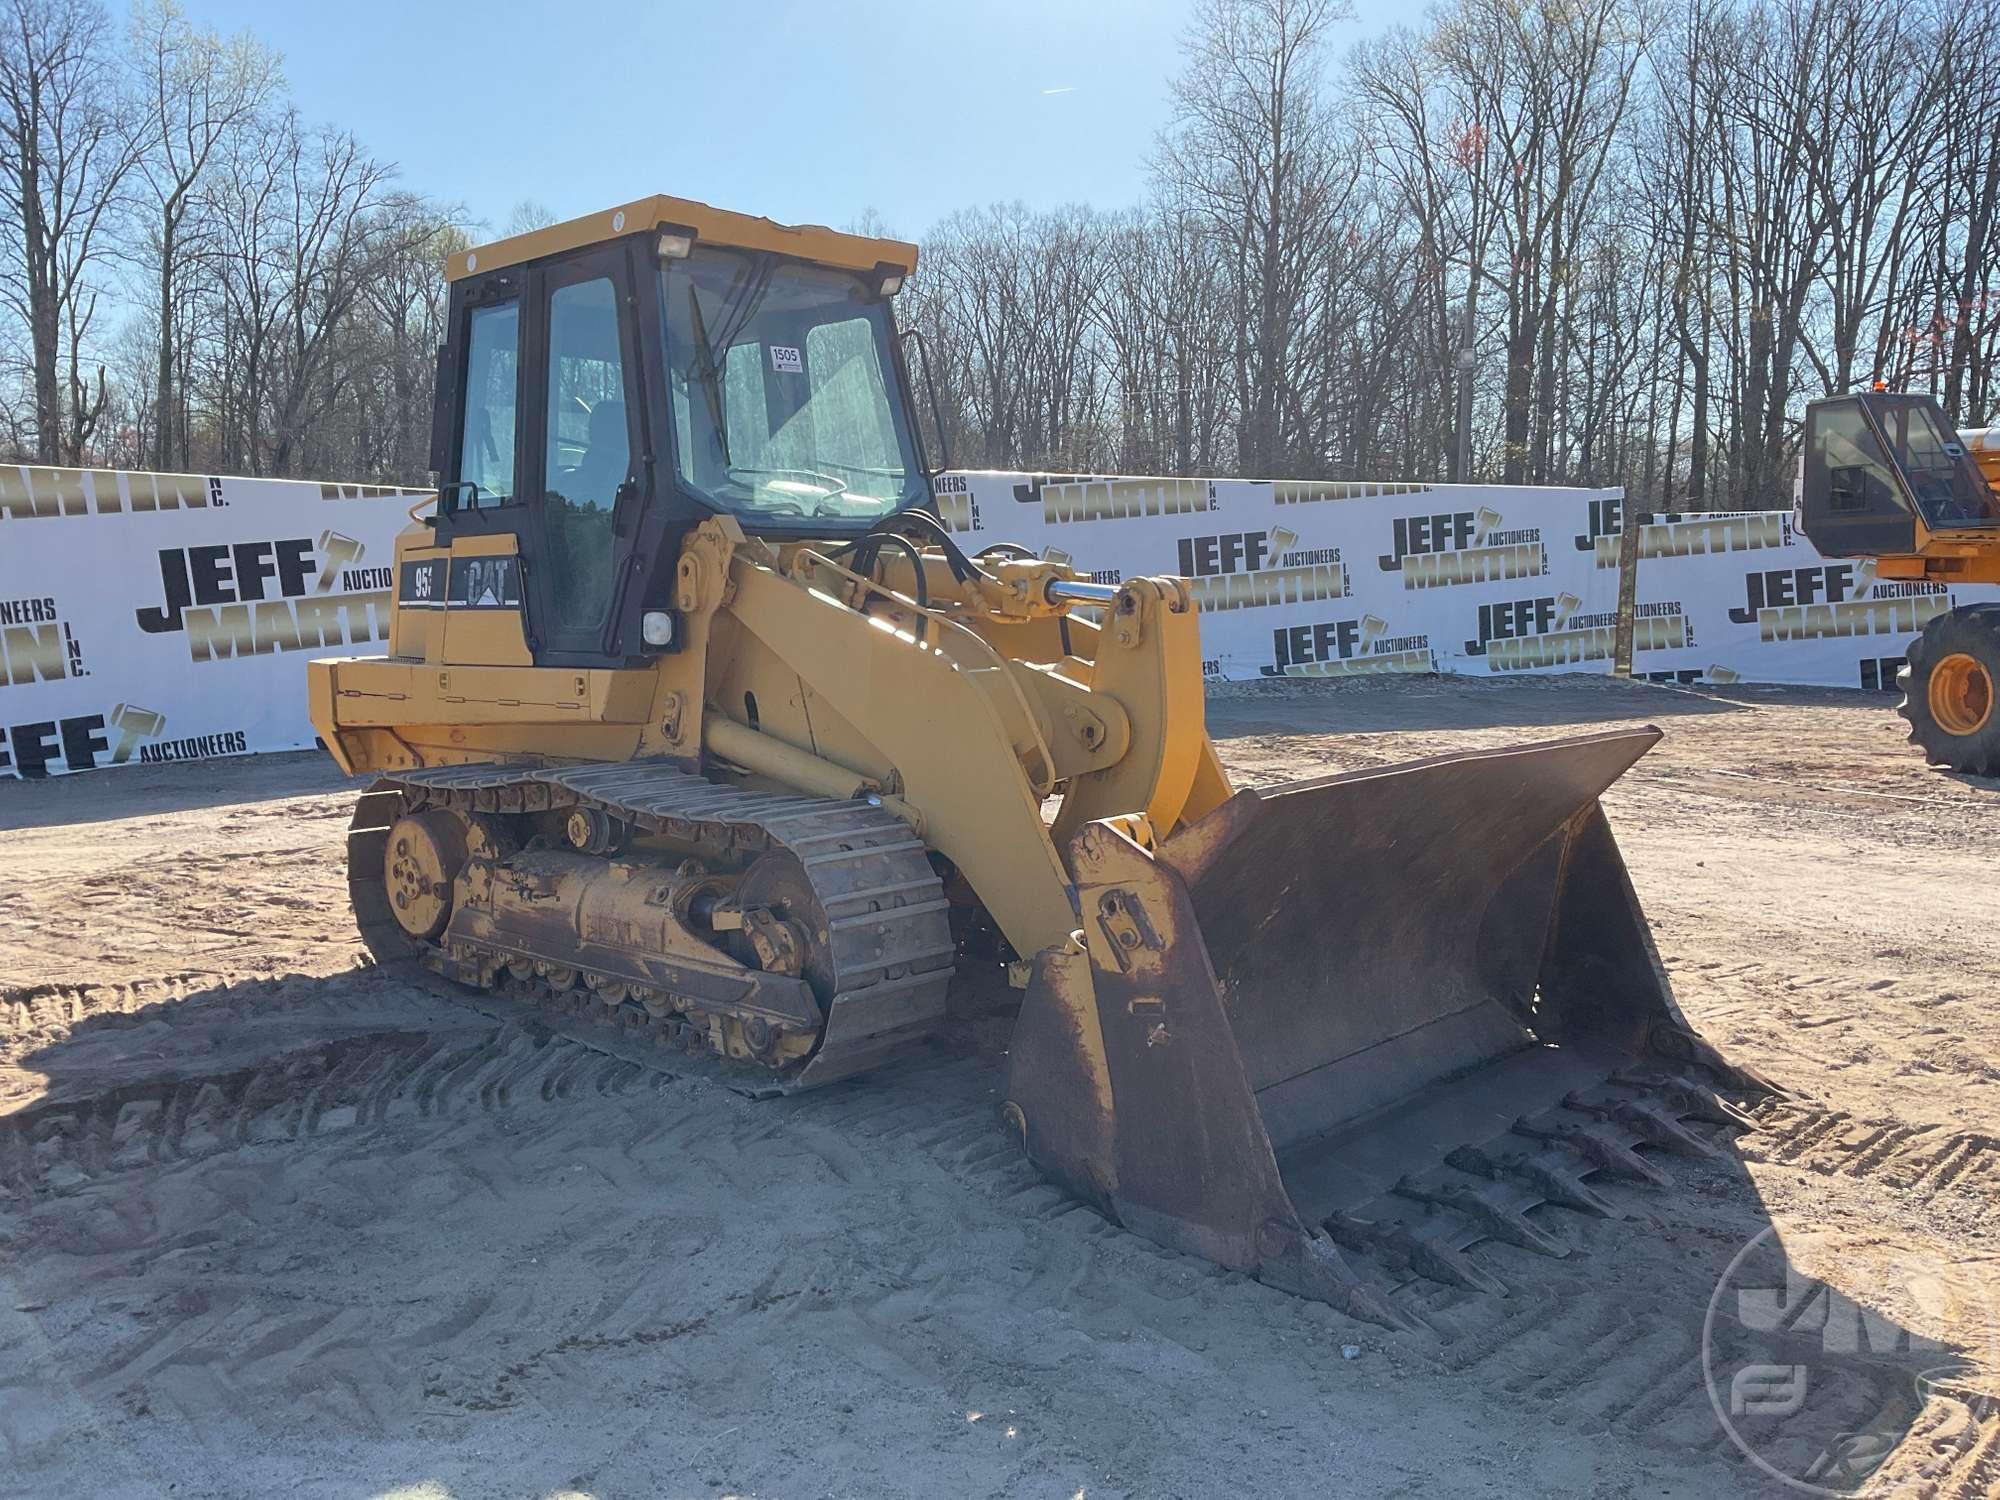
(331, 243)
(527, 215)
(198, 89)
(1958, 220)
(399, 324)
(1012, 300)
(1251, 149)
(67, 149)
(1166, 320)
(1429, 147)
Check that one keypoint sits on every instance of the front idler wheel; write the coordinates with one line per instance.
(422, 858)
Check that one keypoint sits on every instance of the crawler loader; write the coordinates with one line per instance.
(698, 725)
(1883, 476)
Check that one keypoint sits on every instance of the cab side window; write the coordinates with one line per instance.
(492, 370)
(588, 448)
(1859, 479)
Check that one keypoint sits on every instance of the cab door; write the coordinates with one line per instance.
(467, 586)
(1850, 500)
(585, 450)
(546, 475)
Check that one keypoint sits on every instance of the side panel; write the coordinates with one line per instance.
(416, 613)
(387, 714)
(483, 599)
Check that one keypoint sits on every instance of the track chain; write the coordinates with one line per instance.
(888, 935)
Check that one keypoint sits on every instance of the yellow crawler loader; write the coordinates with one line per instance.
(696, 724)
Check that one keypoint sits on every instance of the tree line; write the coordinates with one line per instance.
(1530, 241)
(289, 292)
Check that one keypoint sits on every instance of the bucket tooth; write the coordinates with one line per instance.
(1686, 1097)
(1399, 1247)
(1490, 1209)
(1556, 1184)
(1307, 1265)
(1601, 1146)
(1645, 1119)
(1675, 1041)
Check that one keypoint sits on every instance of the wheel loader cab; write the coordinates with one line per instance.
(598, 399)
(1884, 477)
(1881, 470)
(788, 406)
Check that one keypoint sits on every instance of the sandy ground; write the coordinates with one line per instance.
(274, 1223)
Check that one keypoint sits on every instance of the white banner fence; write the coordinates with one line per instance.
(1332, 579)
(1753, 601)
(159, 617)
(148, 618)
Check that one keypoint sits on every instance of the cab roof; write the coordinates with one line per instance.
(712, 226)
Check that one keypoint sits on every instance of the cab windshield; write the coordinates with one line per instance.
(786, 405)
(1941, 476)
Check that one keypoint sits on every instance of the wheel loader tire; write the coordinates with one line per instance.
(1951, 690)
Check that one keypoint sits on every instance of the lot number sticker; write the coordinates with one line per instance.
(786, 360)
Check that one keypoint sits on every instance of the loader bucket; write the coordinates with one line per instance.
(1391, 1012)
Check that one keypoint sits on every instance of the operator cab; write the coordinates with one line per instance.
(1878, 463)
(607, 383)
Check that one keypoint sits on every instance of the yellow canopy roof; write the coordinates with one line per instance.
(712, 226)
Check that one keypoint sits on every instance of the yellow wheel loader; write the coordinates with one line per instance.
(698, 726)
(1883, 476)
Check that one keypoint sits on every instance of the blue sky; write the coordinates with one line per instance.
(807, 112)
